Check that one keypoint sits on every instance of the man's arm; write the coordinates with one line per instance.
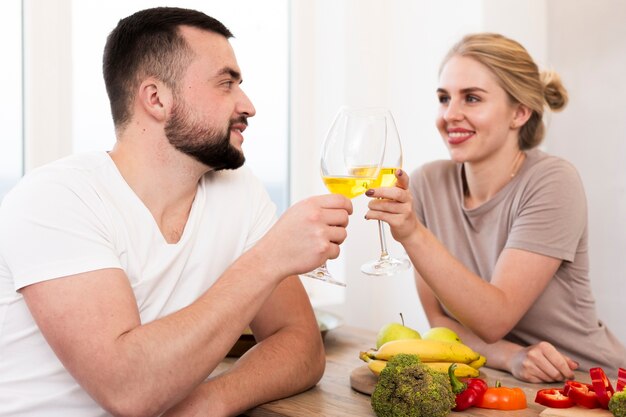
(288, 358)
(92, 323)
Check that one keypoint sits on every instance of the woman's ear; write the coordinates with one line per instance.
(155, 98)
(521, 116)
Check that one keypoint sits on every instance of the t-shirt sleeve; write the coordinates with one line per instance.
(50, 229)
(552, 213)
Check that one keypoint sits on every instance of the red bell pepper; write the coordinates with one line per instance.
(621, 380)
(468, 392)
(553, 398)
(582, 394)
(602, 386)
(503, 398)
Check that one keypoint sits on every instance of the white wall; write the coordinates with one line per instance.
(370, 53)
(587, 46)
(387, 53)
(47, 81)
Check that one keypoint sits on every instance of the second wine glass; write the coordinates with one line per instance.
(392, 161)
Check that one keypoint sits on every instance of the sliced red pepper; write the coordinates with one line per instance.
(621, 380)
(602, 386)
(467, 392)
(553, 398)
(582, 394)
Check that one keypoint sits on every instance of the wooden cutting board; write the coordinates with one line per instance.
(363, 380)
(575, 412)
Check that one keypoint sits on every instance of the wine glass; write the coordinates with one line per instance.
(351, 156)
(392, 161)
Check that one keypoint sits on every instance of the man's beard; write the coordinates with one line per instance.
(203, 143)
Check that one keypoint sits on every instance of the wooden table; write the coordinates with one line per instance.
(333, 396)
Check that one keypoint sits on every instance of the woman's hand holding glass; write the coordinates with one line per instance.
(390, 164)
(394, 206)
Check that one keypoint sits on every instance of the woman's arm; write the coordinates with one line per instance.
(489, 309)
(535, 363)
(484, 312)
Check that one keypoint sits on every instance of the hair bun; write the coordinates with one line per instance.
(554, 92)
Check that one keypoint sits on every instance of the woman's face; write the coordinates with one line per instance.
(475, 113)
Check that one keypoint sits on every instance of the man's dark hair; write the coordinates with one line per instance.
(148, 43)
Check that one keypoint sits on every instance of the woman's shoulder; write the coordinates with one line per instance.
(545, 166)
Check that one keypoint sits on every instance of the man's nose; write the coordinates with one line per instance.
(245, 106)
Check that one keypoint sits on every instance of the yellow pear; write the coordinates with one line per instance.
(395, 331)
(442, 333)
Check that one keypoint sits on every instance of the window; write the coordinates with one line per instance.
(261, 46)
(11, 145)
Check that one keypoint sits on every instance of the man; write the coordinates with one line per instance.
(125, 277)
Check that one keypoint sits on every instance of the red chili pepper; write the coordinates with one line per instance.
(582, 394)
(602, 386)
(467, 392)
(621, 380)
(553, 398)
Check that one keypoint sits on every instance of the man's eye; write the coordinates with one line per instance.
(228, 84)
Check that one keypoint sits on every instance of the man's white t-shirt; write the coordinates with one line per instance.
(77, 215)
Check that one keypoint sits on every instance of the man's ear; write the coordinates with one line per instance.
(521, 116)
(155, 98)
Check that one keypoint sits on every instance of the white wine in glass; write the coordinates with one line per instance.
(351, 157)
(392, 161)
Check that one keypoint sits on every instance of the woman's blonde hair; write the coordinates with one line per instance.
(519, 76)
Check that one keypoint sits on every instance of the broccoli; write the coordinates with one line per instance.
(407, 388)
(617, 404)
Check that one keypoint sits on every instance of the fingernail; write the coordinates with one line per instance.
(399, 172)
(369, 192)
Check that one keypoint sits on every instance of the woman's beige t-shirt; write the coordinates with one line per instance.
(542, 209)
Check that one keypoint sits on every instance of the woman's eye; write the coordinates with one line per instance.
(472, 99)
(443, 99)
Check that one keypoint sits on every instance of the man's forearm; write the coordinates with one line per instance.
(288, 362)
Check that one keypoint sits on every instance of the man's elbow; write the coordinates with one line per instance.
(319, 365)
(129, 405)
(314, 364)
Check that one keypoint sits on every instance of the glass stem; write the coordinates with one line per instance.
(383, 243)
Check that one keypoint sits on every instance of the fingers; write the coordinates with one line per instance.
(334, 217)
(544, 363)
(573, 365)
(334, 201)
(402, 179)
(398, 192)
(306, 235)
(386, 206)
(557, 366)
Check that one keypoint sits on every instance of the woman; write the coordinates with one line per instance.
(498, 234)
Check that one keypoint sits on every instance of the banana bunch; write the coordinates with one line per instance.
(436, 354)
